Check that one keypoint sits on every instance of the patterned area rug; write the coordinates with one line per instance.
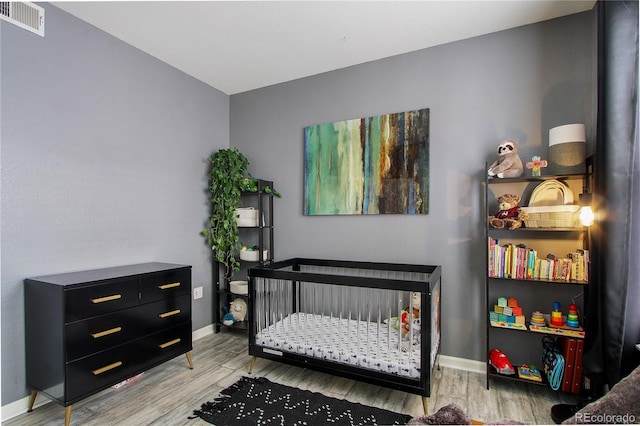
(257, 401)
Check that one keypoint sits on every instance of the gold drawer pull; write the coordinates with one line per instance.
(170, 313)
(106, 332)
(170, 343)
(168, 286)
(106, 298)
(107, 368)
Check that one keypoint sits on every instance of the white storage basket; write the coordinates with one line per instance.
(552, 216)
(247, 216)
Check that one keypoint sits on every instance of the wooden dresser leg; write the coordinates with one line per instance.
(188, 354)
(425, 404)
(253, 364)
(32, 400)
(67, 415)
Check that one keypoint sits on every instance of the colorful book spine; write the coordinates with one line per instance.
(521, 262)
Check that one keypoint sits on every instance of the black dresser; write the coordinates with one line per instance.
(88, 330)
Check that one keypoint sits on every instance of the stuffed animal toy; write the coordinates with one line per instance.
(228, 318)
(412, 336)
(415, 314)
(508, 163)
(239, 309)
(510, 215)
(411, 323)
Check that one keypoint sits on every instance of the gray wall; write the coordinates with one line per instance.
(104, 156)
(512, 84)
(103, 163)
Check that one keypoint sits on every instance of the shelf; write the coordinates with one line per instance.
(567, 332)
(229, 293)
(538, 280)
(240, 325)
(508, 325)
(493, 180)
(524, 229)
(491, 373)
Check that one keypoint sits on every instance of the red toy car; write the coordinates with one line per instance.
(500, 362)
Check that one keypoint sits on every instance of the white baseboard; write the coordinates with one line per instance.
(20, 406)
(202, 332)
(462, 364)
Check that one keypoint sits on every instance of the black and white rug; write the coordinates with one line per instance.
(258, 401)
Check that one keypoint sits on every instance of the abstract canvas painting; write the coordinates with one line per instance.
(373, 165)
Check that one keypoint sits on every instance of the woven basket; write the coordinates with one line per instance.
(552, 216)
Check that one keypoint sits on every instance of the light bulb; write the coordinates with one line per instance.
(586, 216)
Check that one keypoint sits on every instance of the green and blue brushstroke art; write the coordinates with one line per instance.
(373, 165)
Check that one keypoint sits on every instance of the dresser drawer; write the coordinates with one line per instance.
(166, 313)
(99, 299)
(165, 284)
(91, 374)
(101, 370)
(99, 333)
(166, 344)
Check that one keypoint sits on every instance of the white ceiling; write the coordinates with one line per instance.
(237, 46)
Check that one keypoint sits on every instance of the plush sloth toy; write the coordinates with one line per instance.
(508, 163)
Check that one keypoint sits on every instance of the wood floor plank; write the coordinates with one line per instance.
(168, 393)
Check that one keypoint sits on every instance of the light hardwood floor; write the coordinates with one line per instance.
(168, 394)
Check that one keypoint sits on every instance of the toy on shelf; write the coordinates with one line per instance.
(508, 163)
(529, 372)
(556, 316)
(507, 314)
(572, 317)
(555, 323)
(510, 215)
(537, 318)
(535, 164)
(501, 363)
(228, 318)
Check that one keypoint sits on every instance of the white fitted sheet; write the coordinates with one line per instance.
(370, 345)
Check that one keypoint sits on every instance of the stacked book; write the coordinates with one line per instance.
(518, 261)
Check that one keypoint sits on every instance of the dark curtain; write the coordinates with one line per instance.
(614, 301)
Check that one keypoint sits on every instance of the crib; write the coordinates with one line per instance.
(347, 318)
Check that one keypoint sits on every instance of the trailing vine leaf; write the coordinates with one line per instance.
(228, 178)
(227, 172)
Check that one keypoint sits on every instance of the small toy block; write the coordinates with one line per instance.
(512, 302)
(520, 319)
(517, 310)
(502, 302)
(498, 309)
(511, 319)
(507, 310)
(502, 318)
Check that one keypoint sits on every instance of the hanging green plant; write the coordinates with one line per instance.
(228, 178)
(228, 171)
(250, 184)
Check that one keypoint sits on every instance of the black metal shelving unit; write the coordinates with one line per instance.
(261, 236)
(526, 340)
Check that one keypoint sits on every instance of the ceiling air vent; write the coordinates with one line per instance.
(23, 14)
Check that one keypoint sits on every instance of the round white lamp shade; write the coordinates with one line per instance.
(567, 146)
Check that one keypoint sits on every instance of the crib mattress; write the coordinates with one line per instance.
(369, 345)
